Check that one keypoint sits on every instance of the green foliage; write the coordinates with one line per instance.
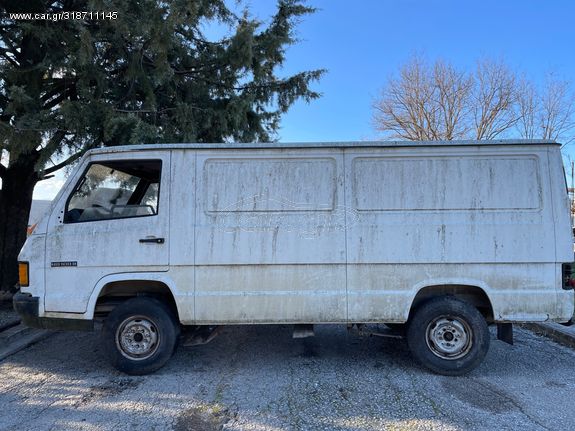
(152, 75)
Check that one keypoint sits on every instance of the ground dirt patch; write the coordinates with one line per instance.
(480, 395)
(201, 419)
(110, 388)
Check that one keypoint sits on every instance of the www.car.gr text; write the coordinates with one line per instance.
(64, 16)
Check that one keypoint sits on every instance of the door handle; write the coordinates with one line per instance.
(152, 240)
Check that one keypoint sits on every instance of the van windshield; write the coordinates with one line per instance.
(116, 189)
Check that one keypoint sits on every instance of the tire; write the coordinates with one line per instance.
(448, 336)
(140, 335)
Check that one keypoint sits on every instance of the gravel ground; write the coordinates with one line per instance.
(258, 378)
(563, 328)
(7, 314)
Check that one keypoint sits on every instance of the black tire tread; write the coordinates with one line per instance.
(165, 321)
(447, 305)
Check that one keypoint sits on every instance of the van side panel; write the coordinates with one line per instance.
(270, 236)
(475, 216)
(517, 292)
(182, 232)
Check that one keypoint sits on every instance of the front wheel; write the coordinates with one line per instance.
(448, 336)
(140, 335)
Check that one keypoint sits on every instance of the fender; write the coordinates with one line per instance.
(161, 277)
(460, 281)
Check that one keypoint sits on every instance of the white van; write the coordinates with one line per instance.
(436, 239)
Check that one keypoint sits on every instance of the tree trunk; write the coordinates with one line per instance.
(18, 183)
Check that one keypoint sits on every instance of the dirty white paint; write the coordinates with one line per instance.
(101, 247)
(461, 182)
(323, 233)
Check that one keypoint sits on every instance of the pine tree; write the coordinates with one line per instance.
(149, 73)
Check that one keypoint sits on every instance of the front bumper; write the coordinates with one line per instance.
(27, 307)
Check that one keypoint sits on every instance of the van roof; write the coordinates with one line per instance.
(350, 144)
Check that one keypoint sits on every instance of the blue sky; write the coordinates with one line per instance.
(363, 42)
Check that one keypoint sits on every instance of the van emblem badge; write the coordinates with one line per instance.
(63, 264)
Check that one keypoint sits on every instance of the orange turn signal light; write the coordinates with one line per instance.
(23, 274)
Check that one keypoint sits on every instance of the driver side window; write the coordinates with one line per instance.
(116, 189)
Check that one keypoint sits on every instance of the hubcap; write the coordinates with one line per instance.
(449, 337)
(137, 338)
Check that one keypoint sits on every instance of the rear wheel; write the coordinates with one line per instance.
(140, 335)
(448, 336)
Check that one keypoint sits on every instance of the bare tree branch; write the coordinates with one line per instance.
(547, 113)
(443, 103)
(425, 103)
(405, 107)
(527, 108)
(453, 90)
(557, 109)
(494, 99)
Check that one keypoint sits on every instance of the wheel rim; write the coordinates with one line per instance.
(137, 338)
(449, 337)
